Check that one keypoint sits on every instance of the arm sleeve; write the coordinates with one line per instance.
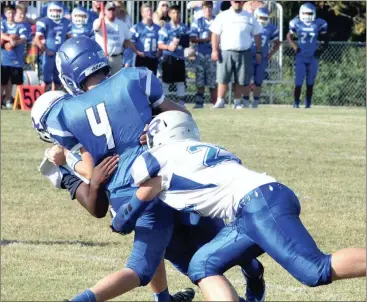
(146, 166)
(41, 28)
(292, 26)
(23, 33)
(152, 87)
(71, 183)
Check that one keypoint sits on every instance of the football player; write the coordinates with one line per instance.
(13, 39)
(105, 116)
(80, 24)
(51, 32)
(193, 176)
(269, 36)
(309, 31)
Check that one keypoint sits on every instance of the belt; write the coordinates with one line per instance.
(119, 54)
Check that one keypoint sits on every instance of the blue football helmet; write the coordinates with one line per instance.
(55, 11)
(262, 15)
(77, 59)
(79, 16)
(307, 13)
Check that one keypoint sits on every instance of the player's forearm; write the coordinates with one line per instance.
(162, 46)
(93, 198)
(275, 48)
(21, 41)
(5, 37)
(38, 42)
(290, 40)
(150, 189)
(130, 44)
(257, 39)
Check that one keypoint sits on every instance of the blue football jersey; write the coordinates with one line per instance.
(81, 30)
(307, 34)
(145, 38)
(109, 119)
(168, 33)
(14, 57)
(270, 33)
(92, 16)
(200, 29)
(54, 33)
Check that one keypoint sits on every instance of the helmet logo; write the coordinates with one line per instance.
(94, 68)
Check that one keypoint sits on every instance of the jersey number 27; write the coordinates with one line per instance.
(103, 127)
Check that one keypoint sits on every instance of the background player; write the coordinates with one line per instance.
(199, 177)
(269, 35)
(51, 32)
(309, 30)
(13, 39)
(145, 36)
(80, 25)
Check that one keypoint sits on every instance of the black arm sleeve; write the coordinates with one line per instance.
(71, 183)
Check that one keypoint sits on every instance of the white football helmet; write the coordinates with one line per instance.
(307, 13)
(79, 16)
(171, 126)
(55, 11)
(262, 15)
(39, 109)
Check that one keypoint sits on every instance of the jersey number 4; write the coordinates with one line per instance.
(213, 155)
(103, 128)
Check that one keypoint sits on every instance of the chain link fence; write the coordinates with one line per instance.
(341, 79)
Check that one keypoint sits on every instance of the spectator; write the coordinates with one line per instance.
(234, 30)
(269, 35)
(52, 31)
(251, 6)
(95, 11)
(30, 11)
(122, 14)
(13, 39)
(20, 17)
(197, 7)
(205, 66)
(173, 38)
(80, 25)
(145, 36)
(161, 15)
(118, 37)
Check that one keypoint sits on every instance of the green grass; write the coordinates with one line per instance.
(320, 153)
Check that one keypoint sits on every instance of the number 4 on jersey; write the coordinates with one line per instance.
(103, 127)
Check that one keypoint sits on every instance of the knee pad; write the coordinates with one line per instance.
(180, 89)
(165, 87)
(318, 272)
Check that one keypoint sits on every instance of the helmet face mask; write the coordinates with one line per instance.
(55, 11)
(79, 16)
(262, 16)
(307, 13)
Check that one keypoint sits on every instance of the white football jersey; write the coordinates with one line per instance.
(198, 177)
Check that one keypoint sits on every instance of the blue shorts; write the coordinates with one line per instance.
(306, 67)
(49, 70)
(267, 221)
(259, 71)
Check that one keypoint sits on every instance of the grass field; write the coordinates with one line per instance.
(51, 249)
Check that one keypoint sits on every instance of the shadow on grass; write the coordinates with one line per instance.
(5, 242)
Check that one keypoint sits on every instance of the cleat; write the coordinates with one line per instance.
(187, 294)
(255, 289)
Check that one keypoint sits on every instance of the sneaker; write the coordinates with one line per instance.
(187, 294)
(255, 289)
(8, 105)
(238, 107)
(198, 106)
(219, 104)
(307, 104)
(295, 105)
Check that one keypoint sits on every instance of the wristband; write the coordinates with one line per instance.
(72, 159)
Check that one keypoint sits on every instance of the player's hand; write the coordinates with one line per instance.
(101, 15)
(13, 42)
(215, 56)
(143, 137)
(318, 53)
(126, 65)
(56, 155)
(140, 54)
(258, 58)
(102, 173)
